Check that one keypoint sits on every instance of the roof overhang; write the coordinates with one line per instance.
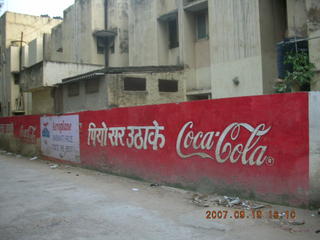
(196, 6)
(104, 34)
(122, 70)
(85, 76)
(168, 16)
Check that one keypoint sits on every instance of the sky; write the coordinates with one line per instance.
(36, 7)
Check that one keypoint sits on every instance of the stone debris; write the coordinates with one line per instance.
(54, 166)
(200, 200)
(154, 185)
(292, 230)
(203, 200)
(296, 222)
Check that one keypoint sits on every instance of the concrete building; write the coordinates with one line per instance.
(15, 31)
(121, 87)
(70, 48)
(212, 49)
(227, 48)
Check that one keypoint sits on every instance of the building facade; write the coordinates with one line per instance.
(210, 49)
(16, 30)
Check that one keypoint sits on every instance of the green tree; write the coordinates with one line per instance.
(301, 75)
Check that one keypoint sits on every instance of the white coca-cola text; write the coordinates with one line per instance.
(224, 146)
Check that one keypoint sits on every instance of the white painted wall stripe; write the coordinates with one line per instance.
(314, 145)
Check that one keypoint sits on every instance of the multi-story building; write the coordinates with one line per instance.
(16, 30)
(114, 53)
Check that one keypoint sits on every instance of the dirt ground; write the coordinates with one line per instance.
(42, 200)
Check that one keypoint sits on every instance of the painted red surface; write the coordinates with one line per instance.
(272, 130)
(27, 128)
(281, 172)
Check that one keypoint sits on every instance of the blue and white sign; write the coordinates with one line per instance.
(60, 137)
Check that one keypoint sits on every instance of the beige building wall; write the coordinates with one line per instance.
(73, 40)
(313, 9)
(85, 101)
(235, 48)
(112, 94)
(118, 21)
(143, 33)
(43, 101)
(273, 29)
(118, 97)
(195, 53)
(11, 27)
(304, 22)
(35, 51)
(297, 18)
(39, 80)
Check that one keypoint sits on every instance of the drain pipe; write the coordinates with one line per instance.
(106, 49)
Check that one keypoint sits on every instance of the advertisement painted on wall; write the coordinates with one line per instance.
(250, 143)
(60, 137)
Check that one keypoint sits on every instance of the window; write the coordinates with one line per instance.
(16, 78)
(100, 45)
(73, 89)
(168, 85)
(202, 26)
(134, 84)
(92, 86)
(173, 33)
(111, 47)
(203, 96)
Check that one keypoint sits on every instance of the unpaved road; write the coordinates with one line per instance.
(39, 202)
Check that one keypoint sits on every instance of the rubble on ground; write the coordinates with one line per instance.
(203, 200)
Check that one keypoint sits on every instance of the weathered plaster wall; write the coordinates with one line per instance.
(32, 78)
(31, 26)
(12, 25)
(313, 23)
(35, 51)
(272, 30)
(143, 33)
(235, 47)
(202, 64)
(118, 20)
(297, 18)
(118, 97)
(54, 72)
(20, 134)
(42, 101)
(73, 40)
(47, 74)
(85, 101)
(14, 59)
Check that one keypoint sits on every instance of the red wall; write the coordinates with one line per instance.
(282, 175)
(25, 128)
(272, 129)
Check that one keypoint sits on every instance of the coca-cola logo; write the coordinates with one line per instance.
(226, 145)
(28, 134)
